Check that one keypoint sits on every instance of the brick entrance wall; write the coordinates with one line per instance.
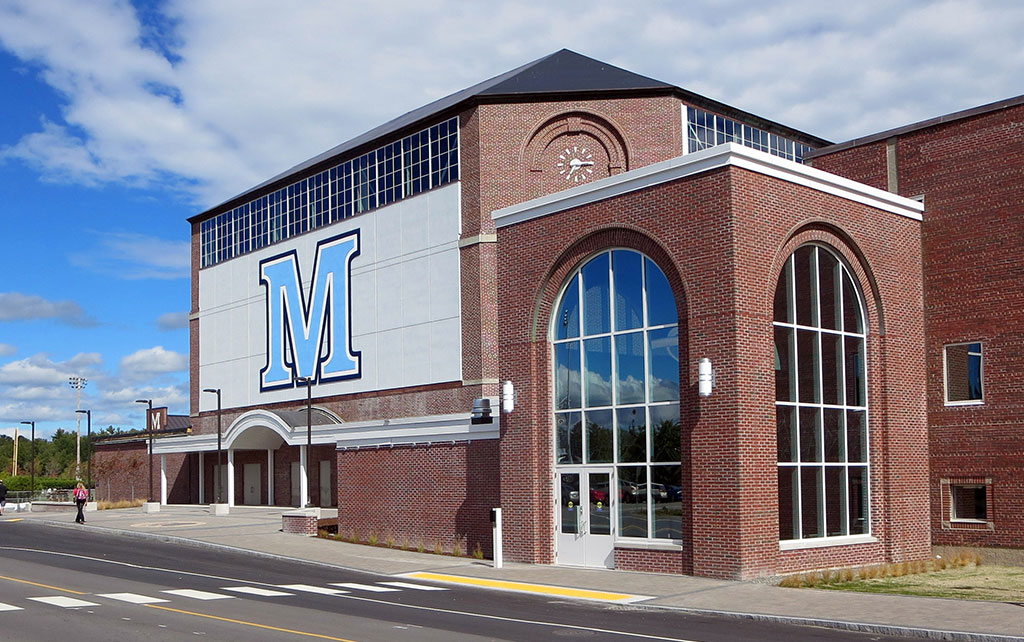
(721, 239)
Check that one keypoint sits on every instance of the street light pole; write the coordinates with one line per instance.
(33, 424)
(149, 427)
(217, 483)
(78, 383)
(88, 440)
(308, 499)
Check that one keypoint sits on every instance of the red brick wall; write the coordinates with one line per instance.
(721, 239)
(971, 173)
(120, 472)
(420, 495)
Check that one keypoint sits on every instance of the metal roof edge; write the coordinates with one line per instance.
(906, 129)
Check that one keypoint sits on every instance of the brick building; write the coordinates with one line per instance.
(589, 235)
(968, 169)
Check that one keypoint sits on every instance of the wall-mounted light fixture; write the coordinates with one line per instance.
(508, 397)
(705, 377)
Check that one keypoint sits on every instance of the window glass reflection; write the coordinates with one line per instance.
(661, 303)
(567, 323)
(665, 434)
(598, 360)
(629, 290)
(663, 351)
(632, 504)
(569, 432)
(629, 366)
(600, 448)
(567, 376)
(632, 434)
(596, 315)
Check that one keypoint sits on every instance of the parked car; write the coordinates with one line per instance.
(656, 491)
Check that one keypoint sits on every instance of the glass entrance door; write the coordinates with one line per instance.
(585, 524)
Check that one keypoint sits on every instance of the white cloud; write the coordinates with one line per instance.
(36, 388)
(172, 321)
(15, 306)
(7, 349)
(151, 361)
(35, 370)
(129, 255)
(219, 96)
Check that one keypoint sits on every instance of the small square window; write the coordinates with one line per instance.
(969, 503)
(963, 367)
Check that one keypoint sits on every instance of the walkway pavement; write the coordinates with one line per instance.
(258, 530)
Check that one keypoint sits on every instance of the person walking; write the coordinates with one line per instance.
(3, 496)
(81, 496)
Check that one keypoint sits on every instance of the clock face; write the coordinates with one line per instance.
(575, 164)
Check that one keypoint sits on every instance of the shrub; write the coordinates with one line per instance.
(478, 553)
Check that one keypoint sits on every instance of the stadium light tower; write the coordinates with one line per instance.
(78, 383)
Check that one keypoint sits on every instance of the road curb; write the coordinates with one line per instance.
(862, 627)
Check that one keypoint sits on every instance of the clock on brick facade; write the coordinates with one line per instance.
(576, 165)
(574, 159)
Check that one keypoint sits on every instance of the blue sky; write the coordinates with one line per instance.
(122, 119)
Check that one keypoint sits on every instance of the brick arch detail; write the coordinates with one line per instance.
(589, 245)
(601, 128)
(846, 248)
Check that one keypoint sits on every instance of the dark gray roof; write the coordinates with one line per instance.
(562, 73)
(906, 129)
(178, 422)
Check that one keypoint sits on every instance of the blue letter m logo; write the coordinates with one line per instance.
(310, 336)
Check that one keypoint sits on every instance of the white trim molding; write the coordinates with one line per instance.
(726, 155)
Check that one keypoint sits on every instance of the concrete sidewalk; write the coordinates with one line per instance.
(257, 530)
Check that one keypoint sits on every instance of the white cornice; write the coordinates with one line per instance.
(358, 434)
(729, 154)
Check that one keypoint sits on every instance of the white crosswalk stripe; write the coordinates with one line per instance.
(415, 587)
(134, 598)
(198, 595)
(63, 601)
(364, 587)
(255, 590)
(10, 607)
(312, 589)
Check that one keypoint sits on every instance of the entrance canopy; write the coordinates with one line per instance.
(260, 430)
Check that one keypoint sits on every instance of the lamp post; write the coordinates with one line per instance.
(88, 439)
(308, 381)
(78, 383)
(33, 454)
(217, 483)
(149, 426)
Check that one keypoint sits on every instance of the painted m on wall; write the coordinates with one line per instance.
(309, 333)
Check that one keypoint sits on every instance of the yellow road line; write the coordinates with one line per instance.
(530, 588)
(14, 519)
(253, 624)
(55, 588)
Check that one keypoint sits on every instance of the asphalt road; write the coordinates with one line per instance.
(128, 588)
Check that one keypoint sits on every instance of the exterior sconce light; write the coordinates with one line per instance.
(705, 377)
(508, 397)
(481, 412)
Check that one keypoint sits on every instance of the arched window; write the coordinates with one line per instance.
(820, 398)
(616, 383)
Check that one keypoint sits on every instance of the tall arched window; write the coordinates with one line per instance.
(820, 398)
(616, 386)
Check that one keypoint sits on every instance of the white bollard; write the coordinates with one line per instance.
(496, 523)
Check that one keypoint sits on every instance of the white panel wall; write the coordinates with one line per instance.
(406, 316)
